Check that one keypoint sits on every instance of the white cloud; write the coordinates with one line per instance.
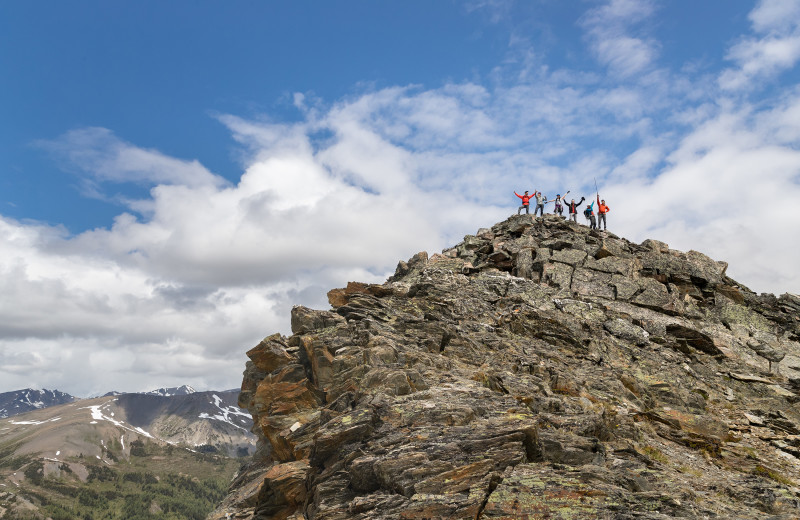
(609, 32)
(106, 158)
(727, 191)
(775, 15)
(188, 278)
(210, 268)
(496, 9)
(774, 48)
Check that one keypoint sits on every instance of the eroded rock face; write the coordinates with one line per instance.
(536, 370)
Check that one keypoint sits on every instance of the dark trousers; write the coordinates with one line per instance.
(601, 218)
(540, 209)
(527, 209)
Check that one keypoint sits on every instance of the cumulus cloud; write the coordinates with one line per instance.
(773, 48)
(726, 190)
(187, 278)
(209, 268)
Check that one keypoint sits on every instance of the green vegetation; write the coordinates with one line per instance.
(774, 475)
(655, 454)
(133, 496)
(9, 460)
(160, 483)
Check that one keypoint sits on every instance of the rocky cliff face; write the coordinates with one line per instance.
(536, 370)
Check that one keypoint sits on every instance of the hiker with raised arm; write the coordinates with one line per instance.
(573, 209)
(589, 214)
(558, 208)
(525, 202)
(602, 209)
(541, 200)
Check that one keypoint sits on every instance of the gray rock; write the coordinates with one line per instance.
(586, 282)
(627, 331)
(537, 368)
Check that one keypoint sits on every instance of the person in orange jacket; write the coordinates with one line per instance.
(602, 209)
(526, 200)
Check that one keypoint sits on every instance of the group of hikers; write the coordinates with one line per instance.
(558, 209)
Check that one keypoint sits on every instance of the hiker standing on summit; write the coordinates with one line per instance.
(573, 209)
(589, 214)
(558, 208)
(541, 200)
(602, 209)
(525, 202)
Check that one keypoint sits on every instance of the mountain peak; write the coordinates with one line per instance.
(167, 392)
(535, 366)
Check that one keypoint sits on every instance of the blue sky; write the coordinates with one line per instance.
(175, 175)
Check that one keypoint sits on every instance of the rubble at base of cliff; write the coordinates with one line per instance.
(538, 369)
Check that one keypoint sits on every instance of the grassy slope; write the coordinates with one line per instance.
(154, 482)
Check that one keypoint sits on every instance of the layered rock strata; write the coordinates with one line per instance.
(536, 370)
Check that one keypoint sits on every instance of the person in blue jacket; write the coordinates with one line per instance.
(589, 214)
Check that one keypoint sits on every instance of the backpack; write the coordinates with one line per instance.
(587, 213)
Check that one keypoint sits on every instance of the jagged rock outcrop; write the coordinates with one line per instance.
(536, 370)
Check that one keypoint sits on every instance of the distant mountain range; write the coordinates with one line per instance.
(211, 420)
(172, 449)
(21, 401)
(164, 392)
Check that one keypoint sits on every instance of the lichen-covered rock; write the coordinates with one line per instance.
(627, 331)
(308, 320)
(536, 370)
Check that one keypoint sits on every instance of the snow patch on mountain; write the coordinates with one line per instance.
(98, 415)
(168, 392)
(227, 413)
(26, 400)
(54, 419)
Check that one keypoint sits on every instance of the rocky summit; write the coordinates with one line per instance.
(538, 369)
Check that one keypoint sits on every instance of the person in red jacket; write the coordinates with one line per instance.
(526, 200)
(602, 209)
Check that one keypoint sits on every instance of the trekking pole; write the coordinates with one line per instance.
(597, 192)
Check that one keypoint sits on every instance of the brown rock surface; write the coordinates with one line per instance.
(536, 370)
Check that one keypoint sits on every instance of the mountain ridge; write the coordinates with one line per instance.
(27, 399)
(17, 402)
(536, 368)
